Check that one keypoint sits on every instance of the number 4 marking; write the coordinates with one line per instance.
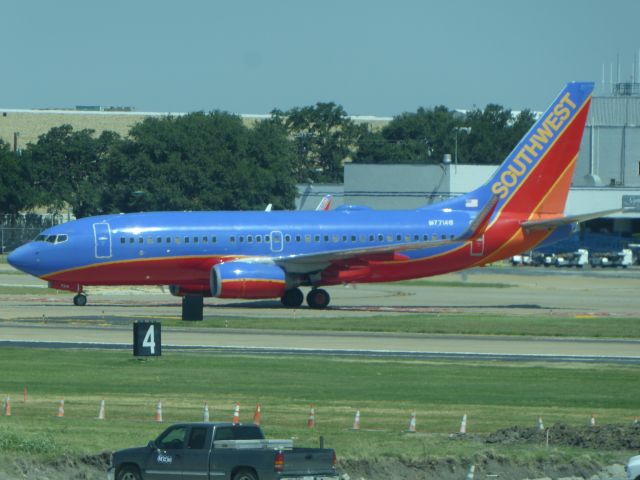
(149, 340)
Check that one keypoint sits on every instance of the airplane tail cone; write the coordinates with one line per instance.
(159, 412)
(236, 414)
(311, 422)
(257, 416)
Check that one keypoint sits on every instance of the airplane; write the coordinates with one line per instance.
(271, 254)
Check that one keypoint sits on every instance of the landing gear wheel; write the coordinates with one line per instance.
(318, 298)
(80, 300)
(128, 473)
(292, 298)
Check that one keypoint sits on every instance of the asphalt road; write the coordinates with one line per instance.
(50, 318)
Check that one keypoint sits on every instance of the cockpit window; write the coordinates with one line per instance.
(63, 237)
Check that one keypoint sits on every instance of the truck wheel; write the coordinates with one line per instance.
(245, 475)
(128, 473)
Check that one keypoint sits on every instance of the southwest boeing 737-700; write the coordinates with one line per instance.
(271, 254)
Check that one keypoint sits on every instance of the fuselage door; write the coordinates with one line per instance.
(276, 241)
(102, 237)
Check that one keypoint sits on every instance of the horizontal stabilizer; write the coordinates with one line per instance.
(558, 222)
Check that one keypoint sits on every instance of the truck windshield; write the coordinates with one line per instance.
(239, 433)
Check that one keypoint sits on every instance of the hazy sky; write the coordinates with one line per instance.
(250, 56)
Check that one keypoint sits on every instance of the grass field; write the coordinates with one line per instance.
(494, 395)
(438, 323)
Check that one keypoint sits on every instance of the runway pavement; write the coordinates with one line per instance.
(37, 319)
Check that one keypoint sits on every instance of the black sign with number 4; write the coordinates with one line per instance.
(147, 339)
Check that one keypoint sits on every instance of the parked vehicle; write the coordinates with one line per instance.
(633, 468)
(578, 259)
(223, 451)
(623, 258)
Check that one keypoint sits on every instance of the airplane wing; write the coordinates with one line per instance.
(310, 262)
(558, 222)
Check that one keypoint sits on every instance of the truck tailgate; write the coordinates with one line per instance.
(313, 462)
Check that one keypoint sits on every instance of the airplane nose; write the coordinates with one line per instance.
(21, 258)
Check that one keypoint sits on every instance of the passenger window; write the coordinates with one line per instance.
(307, 238)
(380, 237)
(407, 238)
(213, 239)
(241, 239)
(258, 238)
(177, 240)
(186, 239)
(197, 437)
(131, 240)
(389, 238)
(425, 237)
(298, 238)
(434, 237)
(316, 238)
(205, 239)
(326, 238)
(122, 240)
(336, 238)
(167, 240)
(344, 238)
(399, 238)
(232, 239)
(416, 238)
(195, 239)
(267, 238)
(371, 238)
(140, 240)
(287, 238)
(363, 238)
(150, 240)
(444, 237)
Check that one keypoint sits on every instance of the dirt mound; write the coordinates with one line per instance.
(600, 437)
(88, 467)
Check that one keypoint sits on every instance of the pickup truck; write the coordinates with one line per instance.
(221, 451)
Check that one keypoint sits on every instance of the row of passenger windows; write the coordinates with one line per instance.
(289, 238)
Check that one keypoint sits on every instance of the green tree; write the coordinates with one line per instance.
(15, 194)
(66, 169)
(420, 137)
(200, 162)
(324, 137)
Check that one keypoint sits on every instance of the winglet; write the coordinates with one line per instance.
(479, 224)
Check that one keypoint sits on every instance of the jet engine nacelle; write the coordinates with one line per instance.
(247, 280)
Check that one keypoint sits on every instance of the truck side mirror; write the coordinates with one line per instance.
(151, 444)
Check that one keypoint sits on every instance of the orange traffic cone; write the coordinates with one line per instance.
(463, 424)
(413, 423)
(236, 414)
(7, 406)
(159, 412)
(61, 408)
(205, 413)
(101, 412)
(312, 418)
(257, 416)
(540, 424)
(356, 421)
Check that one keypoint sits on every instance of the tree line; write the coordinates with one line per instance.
(213, 161)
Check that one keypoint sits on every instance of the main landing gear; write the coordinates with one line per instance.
(317, 298)
(80, 300)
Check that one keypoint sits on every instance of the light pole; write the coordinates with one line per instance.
(466, 130)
